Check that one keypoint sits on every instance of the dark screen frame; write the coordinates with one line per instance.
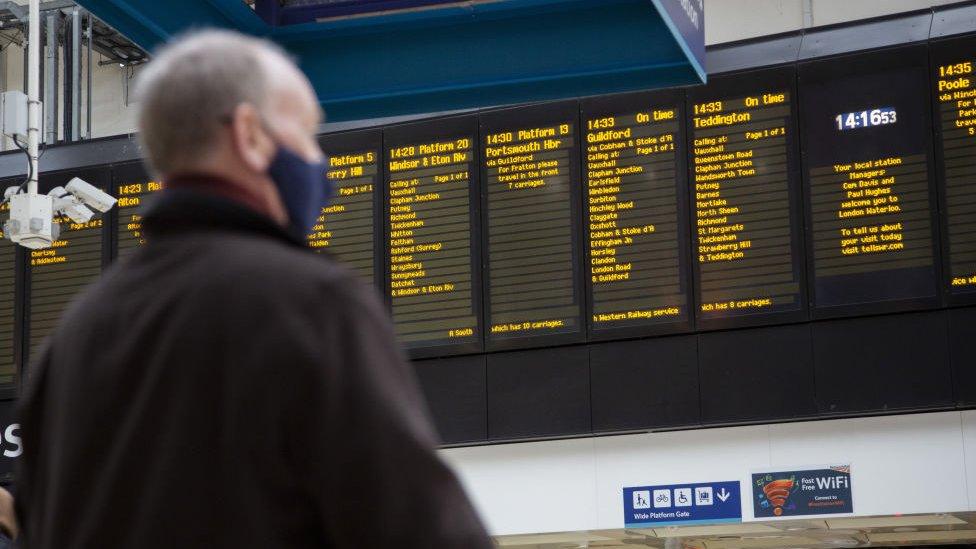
(833, 68)
(941, 52)
(99, 176)
(529, 116)
(20, 326)
(734, 84)
(429, 130)
(348, 142)
(128, 171)
(595, 107)
(11, 390)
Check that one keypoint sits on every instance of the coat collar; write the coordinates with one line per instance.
(185, 210)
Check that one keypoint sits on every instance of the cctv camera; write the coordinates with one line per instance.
(90, 195)
(77, 212)
(70, 205)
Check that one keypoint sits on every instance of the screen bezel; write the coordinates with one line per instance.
(733, 85)
(124, 172)
(99, 176)
(596, 107)
(837, 67)
(942, 52)
(536, 115)
(347, 142)
(426, 131)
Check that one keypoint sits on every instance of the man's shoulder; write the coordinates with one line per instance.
(258, 258)
(222, 266)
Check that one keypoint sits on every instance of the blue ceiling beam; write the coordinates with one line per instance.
(458, 55)
(269, 10)
(151, 22)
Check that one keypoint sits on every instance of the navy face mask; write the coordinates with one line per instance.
(304, 187)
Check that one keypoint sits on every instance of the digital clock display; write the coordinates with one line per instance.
(870, 201)
(866, 119)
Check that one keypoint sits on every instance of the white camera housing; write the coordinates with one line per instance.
(31, 221)
(70, 205)
(90, 195)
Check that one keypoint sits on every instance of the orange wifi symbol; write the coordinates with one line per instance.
(777, 493)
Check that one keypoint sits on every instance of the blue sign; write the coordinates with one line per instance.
(686, 20)
(680, 504)
(820, 491)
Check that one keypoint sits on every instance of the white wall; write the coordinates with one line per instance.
(111, 115)
(923, 463)
(730, 20)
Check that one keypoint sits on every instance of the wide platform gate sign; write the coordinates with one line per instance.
(682, 504)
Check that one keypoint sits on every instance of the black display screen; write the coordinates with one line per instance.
(953, 87)
(745, 200)
(635, 214)
(869, 197)
(8, 299)
(75, 260)
(133, 187)
(530, 163)
(348, 227)
(432, 209)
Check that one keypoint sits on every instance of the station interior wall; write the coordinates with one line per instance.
(906, 464)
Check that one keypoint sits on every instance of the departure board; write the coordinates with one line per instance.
(8, 297)
(870, 202)
(747, 252)
(58, 273)
(132, 189)
(433, 239)
(347, 228)
(530, 162)
(636, 214)
(954, 94)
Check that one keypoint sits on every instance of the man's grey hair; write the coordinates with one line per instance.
(190, 88)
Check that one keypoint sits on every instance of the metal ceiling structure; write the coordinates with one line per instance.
(375, 58)
(113, 47)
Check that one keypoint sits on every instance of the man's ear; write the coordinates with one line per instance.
(249, 138)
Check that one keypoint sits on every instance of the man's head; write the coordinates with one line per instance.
(222, 103)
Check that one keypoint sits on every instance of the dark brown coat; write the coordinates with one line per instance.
(225, 387)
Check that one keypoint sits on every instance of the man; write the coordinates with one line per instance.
(224, 387)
